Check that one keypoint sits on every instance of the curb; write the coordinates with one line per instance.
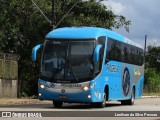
(6, 102)
(156, 96)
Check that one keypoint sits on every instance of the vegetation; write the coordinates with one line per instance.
(152, 70)
(22, 26)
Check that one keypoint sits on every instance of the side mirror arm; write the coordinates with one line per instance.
(34, 51)
(96, 53)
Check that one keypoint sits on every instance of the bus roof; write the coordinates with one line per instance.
(87, 33)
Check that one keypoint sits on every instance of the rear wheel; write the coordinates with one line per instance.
(131, 100)
(124, 102)
(57, 104)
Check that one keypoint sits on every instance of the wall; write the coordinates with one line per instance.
(8, 88)
(8, 75)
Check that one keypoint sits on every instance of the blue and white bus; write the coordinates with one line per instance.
(89, 65)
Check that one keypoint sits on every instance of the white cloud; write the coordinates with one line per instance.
(116, 7)
(144, 16)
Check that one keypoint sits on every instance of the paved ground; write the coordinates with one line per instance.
(144, 104)
(152, 105)
(24, 101)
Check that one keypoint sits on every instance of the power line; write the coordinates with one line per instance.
(41, 12)
(69, 11)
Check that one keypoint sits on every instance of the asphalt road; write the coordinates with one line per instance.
(113, 109)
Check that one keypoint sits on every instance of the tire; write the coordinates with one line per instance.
(103, 103)
(131, 100)
(57, 104)
(124, 102)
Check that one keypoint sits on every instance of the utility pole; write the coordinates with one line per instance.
(145, 48)
(145, 44)
(53, 14)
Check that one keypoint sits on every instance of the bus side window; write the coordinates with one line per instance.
(127, 53)
(123, 52)
(102, 41)
(137, 56)
(113, 50)
(141, 57)
(98, 65)
(131, 56)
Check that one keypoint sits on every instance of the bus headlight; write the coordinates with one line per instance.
(85, 88)
(42, 86)
(39, 94)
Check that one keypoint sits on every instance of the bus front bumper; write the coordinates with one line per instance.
(75, 97)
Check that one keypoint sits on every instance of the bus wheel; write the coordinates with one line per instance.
(124, 102)
(131, 101)
(57, 104)
(103, 103)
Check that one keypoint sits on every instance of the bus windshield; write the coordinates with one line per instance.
(67, 61)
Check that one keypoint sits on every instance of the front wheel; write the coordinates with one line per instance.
(103, 103)
(57, 104)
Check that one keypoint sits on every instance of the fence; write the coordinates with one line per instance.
(8, 75)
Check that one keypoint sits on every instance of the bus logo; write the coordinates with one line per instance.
(56, 42)
(112, 68)
(126, 81)
(63, 90)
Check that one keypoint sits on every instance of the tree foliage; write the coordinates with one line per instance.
(89, 14)
(22, 26)
(153, 57)
(152, 71)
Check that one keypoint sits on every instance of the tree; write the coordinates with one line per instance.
(89, 14)
(20, 31)
(22, 27)
(152, 71)
(153, 57)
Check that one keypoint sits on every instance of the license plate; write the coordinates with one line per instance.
(62, 97)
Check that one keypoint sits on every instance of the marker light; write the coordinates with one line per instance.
(93, 85)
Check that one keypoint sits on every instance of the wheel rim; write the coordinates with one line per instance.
(133, 97)
(104, 101)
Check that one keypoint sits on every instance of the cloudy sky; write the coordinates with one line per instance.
(145, 18)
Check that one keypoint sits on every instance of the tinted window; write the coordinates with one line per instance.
(69, 61)
(114, 50)
(98, 65)
(101, 41)
(123, 52)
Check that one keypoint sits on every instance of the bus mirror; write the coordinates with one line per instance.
(96, 53)
(34, 51)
